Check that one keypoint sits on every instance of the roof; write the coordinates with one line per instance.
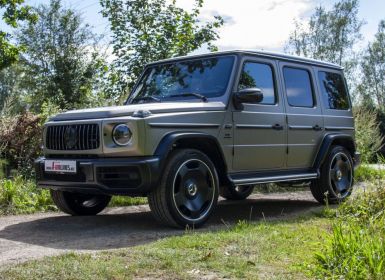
(260, 53)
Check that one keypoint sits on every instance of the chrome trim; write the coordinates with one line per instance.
(184, 125)
(272, 179)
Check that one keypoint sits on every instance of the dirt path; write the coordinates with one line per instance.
(34, 236)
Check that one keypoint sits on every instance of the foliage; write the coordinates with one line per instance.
(366, 173)
(20, 196)
(372, 88)
(330, 35)
(356, 249)
(61, 64)
(14, 12)
(368, 136)
(149, 30)
(20, 140)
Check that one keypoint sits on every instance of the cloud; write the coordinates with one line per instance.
(262, 24)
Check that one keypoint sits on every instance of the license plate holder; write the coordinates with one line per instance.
(60, 166)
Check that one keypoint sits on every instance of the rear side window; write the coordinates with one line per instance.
(259, 75)
(333, 90)
(298, 85)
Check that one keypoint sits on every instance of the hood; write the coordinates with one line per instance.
(128, 110)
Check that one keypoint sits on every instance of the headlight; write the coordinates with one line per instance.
(121, 134)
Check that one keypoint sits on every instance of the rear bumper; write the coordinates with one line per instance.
(126, 176)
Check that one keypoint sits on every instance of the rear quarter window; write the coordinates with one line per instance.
(333, 89)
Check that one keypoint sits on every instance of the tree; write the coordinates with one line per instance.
(149, 30)
(13, 13)
(372, 87)
(61, 59)
(329, 35)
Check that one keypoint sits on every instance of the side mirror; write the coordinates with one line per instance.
(247, 95)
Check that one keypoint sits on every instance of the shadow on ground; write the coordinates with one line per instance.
(123, 227)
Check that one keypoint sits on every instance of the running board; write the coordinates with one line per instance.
(255, 178)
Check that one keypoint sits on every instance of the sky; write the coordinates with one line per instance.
(256, 24)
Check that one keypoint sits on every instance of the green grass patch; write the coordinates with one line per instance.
(368, 173)
(266, 250)
(20, 196)
(127, 201)
(356, 249)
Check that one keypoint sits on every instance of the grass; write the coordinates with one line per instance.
(356, 249)
(264, 250)
(21, 196)
(368, 174)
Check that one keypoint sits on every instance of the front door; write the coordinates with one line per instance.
(304, 115)
(260, 129)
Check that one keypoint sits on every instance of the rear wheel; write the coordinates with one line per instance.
(78, 204)
(337, 177)
(188, 190)
(236, 192)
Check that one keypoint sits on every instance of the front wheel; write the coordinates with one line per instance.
(188, 191)
(337, 177)
(78, 204)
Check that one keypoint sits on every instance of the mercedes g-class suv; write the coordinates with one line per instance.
(200, 126)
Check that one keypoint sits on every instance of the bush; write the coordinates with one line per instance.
(20, 141)
(368, 136)
(20, 196)
(356, 248)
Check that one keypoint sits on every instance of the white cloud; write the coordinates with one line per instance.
(261, 24)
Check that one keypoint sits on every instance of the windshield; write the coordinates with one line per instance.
(193, 79)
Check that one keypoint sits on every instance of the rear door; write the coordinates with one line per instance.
(304, 115)
(260, 129)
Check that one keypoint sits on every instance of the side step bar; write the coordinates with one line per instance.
(246, 179)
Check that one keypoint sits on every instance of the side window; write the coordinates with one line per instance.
(298, 85)
(333, 90)
(259, 75)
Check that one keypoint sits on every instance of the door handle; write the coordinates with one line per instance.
(317, 127)
(277, 126)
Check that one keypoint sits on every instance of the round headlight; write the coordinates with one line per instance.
(121, 135)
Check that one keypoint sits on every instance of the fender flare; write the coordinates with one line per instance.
(328, 140)
(168, 142)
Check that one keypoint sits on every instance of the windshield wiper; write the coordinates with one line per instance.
(137, 99)
(200, 96)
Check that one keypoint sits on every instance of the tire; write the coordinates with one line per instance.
(337, 177)
(236, 192)
(188, 190)
(77, 204)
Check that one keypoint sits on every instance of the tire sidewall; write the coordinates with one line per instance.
(176, 160)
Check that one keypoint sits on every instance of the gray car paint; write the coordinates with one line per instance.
(247, 141)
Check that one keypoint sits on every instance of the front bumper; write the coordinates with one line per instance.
(111, 176)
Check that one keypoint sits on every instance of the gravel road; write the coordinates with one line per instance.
(28, 237)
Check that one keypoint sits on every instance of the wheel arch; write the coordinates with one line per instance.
(206, 143)
(344, 140)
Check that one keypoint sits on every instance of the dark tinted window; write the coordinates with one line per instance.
(173, 81)
(257, 75)
(333, 90)
(298, 87)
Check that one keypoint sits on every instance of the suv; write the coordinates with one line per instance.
(200, 126)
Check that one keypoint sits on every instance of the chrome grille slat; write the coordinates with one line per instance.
(87, 137)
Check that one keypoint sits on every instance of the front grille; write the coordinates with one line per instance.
(73, 137)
